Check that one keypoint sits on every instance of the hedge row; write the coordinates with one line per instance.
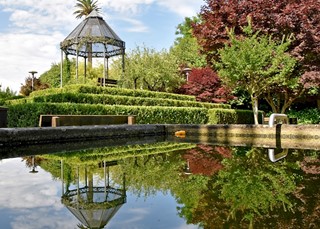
(231, 116)
(119, 100)
(112, 91)
(27, 115)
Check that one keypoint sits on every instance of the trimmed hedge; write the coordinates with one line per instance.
(231, 116)
(85, 89)
(27, 115)
(119, 100)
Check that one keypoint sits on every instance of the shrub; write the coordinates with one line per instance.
(120, 100)
(306, 116)
(231, 116)
(112, 91)
(27, 115)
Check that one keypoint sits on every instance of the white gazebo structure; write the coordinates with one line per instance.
(92, 38)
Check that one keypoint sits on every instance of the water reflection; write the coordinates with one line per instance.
(213, 186)
(94, 205)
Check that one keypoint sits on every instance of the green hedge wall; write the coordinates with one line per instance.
(120, 100)
(231, 116)
(112, 91)
(27, 115)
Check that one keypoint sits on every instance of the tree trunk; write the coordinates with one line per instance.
(254, 101)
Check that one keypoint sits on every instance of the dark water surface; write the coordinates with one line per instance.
(161, 185)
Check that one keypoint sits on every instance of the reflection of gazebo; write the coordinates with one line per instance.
(93, 206)
(92, 38)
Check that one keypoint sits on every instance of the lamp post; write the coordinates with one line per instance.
(187, 71)
(32, 73)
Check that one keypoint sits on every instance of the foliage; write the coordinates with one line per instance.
(27, 114)
(206, 86)
(32, 84)
(6, 94)
(254, 63)
(52, 76)
(186, 48)
(148, 69)
(119, 100)
(231, 116)
(253, 186)
(270, 17)
(306, 116)
(112, 91)
(85, 7)
(276, 18)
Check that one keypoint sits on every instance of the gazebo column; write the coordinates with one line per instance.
(85, 69)
(77, 64)
(123, 65)
(61, 69)
(104, 65)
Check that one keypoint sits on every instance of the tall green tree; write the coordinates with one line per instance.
(185, 47)
(254, 64)
(279, 18)
(148, 69)
(85, 7)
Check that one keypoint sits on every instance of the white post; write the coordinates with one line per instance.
(276, 116)
(61, 68)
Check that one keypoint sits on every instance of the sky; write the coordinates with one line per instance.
(31, 30)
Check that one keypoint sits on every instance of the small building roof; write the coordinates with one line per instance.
(93, 36)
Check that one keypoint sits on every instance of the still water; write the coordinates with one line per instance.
(161, 185)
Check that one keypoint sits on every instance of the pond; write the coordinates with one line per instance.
(161, 185)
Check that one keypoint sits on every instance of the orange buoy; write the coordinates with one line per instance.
(180, 134)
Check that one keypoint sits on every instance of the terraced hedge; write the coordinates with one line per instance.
(84, 89)
(149, 107)
(27, 115)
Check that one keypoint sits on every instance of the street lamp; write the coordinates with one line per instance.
(32, 73)
(187, 71)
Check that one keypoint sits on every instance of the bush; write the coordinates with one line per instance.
(112, 91)
(27, 115)
(306, 116)
(119, 100)
(231, 116)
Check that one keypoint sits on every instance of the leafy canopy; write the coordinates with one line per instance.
(254, 63)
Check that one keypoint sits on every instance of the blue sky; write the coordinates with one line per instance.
(31, 30)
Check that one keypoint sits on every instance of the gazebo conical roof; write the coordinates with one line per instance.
(93, 30)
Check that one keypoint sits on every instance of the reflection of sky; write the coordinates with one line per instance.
(32, 201)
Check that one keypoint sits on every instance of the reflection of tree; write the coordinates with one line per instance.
(249, 187)
(204, 160)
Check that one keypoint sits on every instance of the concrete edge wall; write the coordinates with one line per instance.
(278, 136)
(35, 135)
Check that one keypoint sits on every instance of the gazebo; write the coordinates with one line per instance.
(92, 38)
(91, 203)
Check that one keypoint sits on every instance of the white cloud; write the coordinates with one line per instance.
(136, 26)
(22, 53)
(31, 40)
(184, 8)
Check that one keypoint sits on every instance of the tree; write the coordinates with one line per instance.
(85, 7)
(32, 84)
(205, 84)
(6, 94)
(148, 69)
(279, 18)
(185, 47)
(52, 76)
(254, 63)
